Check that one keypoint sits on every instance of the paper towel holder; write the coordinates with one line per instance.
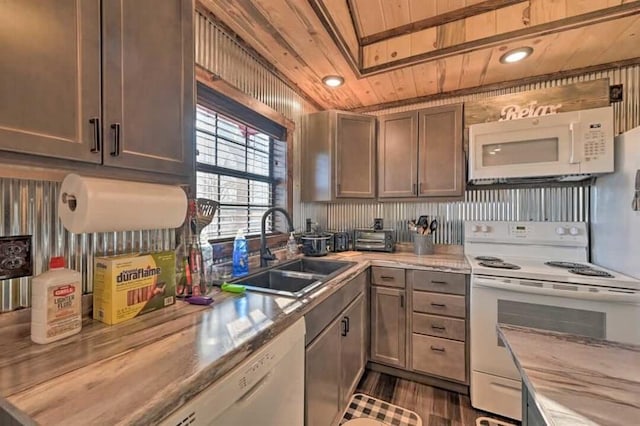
(70, 200)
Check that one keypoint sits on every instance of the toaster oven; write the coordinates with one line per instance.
(374, 240)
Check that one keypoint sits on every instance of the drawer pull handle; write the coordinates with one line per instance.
(437, 349)
(438, 305)
(439, 282)
(386, 277)
(438, 327)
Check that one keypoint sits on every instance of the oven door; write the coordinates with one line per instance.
(583, 310)
(517, 150)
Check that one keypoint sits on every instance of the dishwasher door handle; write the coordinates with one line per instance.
(248, 395)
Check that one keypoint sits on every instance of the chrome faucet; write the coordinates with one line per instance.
(265, 253)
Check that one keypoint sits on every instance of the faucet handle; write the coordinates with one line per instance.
(267, 255)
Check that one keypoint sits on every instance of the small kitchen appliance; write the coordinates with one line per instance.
(316, 244)
(374, 240)
(536, 274)
(341, 241)
(565, 146)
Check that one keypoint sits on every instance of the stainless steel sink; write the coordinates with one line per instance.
(314, 266)
(296, 278)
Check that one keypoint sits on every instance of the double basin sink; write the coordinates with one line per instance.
(296, 278)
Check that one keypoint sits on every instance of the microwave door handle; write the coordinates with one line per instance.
(576, 151)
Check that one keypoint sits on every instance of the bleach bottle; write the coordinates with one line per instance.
(240, 255)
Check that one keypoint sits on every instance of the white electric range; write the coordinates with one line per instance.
(536, 274)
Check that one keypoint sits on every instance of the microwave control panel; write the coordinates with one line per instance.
(594, 141)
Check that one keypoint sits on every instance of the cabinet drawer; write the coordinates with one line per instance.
(388, 277)
(438, 326)
(441, 357)
(440, 282)
(439, 304)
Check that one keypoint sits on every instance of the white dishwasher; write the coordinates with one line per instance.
(267, 389)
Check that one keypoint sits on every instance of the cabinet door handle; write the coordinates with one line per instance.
(386, 277)
(347, 321)
(439, 282)
(437, 349)
(402, 300)
(338, 187)
(438, 305)
(414, 189)
(96, 134)
(420, 187)
(438, 327)
(116, 139)
(344, 327)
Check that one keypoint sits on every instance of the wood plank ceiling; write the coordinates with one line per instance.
(393, 51)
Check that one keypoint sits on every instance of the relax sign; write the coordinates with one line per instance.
(532, 109)
(536, 103)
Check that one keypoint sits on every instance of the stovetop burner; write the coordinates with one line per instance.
(499, 264)
(567, 265)
(488, 259)
(590, 272)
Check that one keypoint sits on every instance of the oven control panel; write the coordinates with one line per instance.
(544, 233)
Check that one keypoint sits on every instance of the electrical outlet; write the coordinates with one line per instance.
(15, 257)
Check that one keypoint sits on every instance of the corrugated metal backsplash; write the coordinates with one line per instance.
(28, 207)
(525, 204)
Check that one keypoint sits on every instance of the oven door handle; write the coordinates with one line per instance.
(601, 296)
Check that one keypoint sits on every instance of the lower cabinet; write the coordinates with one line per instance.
(388, 326)
(419, 323)
(352, 348)
(335, 361)
(439, 343)
(440, 357)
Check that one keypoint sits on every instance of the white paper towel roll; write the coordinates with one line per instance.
(89, 204)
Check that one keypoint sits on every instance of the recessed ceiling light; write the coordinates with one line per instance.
(333, 80)
(516, 55)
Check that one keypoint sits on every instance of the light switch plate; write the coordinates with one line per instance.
(15, 257)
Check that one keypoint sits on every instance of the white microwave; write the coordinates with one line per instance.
(565, 146)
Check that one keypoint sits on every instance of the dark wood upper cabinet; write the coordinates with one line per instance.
(50, 85)
(108, 82)
(148, 84)
(338, 156)
(440, 158)
(420, 153)
(397, 155)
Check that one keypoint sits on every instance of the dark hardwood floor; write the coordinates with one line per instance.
(437, 407)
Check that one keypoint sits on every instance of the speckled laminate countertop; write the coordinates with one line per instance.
(577, 380)
(140, 371)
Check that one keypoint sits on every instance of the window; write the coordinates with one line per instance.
(240, 167)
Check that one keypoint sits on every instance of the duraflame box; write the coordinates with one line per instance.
(130, 285)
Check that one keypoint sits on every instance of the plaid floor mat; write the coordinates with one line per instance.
(362, 405)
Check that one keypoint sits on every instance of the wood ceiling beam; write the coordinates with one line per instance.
(434, 21)
(330, 26)
(570, 23)
(501, 85)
